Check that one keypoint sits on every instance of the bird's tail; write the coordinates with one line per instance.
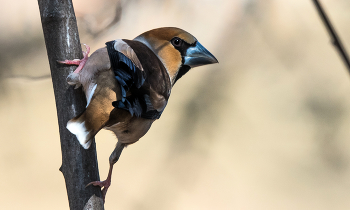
(82, 129)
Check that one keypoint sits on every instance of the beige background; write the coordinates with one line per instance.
(267, 128)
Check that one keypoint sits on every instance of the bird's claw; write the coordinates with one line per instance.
(71, 62)
(99, 183)
(86, 53)
(103, 184)
(79, 62)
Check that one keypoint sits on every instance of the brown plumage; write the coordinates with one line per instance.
(128, 84)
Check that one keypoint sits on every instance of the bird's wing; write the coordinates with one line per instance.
(157, 83)
(128, 72)
(121, 46)
(126, 65)
(144, 82)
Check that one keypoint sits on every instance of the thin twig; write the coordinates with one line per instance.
(335, 38)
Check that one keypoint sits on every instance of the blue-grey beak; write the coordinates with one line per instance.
(197, 56)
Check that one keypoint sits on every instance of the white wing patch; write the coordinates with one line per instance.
(124, 48)
(80, 131)
(90, 93)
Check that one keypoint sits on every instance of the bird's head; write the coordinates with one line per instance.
(178, 50)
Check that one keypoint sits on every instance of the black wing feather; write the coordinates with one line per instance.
(128, 76)
(138, 82)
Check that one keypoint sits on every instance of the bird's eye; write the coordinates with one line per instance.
(177, 42)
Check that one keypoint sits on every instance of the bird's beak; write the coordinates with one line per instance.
(197, 56)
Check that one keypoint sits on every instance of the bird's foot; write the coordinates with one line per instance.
(71, 62)
(103, 184)
(79, 62)
(74, 78)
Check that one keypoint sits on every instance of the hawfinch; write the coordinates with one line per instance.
(128, 83)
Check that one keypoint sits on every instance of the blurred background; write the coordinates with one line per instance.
(266, 128)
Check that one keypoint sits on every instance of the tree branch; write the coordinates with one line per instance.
(334, 36)
(79, 166)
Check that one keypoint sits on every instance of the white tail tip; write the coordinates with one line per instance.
(80, 131)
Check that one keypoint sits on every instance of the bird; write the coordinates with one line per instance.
(127, 84)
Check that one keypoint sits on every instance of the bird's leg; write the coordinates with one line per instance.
(79, 62)
(104, 184)
(112, 160)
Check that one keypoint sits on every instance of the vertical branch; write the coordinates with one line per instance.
(334, 36)
(79, 166)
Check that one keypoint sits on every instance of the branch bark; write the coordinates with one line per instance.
(79, 166)
(333, 34)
